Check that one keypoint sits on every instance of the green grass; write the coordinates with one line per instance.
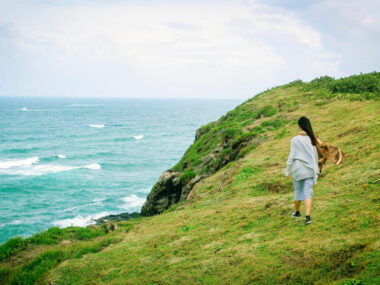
(50, 237)
(236, 227)
(33, 270)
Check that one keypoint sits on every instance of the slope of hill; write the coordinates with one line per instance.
(222, 214)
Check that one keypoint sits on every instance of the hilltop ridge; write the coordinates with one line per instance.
(236, 133)
(221, 215)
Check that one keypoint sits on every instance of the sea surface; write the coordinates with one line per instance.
(68, 161)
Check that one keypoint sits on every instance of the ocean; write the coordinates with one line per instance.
(66, 161)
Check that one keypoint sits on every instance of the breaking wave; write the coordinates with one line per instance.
(133, 201)
(82, 105)
(19, 163)
(29, 166)
(96, 126)
(139, 137)
(80, 221)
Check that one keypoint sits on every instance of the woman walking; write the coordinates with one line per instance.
(303, 162)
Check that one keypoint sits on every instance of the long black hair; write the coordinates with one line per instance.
(305, 124)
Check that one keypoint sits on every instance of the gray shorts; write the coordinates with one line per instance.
(303, 189)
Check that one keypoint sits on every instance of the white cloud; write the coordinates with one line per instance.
(142, 38)
(203, 49)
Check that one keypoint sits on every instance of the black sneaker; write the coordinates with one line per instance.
(307, 220)
(296, 214)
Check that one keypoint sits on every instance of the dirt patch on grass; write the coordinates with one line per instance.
(334, 264)
(276, 186)
(339, 261)
(352, 131)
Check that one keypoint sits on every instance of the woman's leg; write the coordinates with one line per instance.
(298, 205)
(308, 206)
(308, 193)
(297, 194)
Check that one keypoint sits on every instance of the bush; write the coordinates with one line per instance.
(245, 173)
(246, 150)
(231, 132)
(357, 84)
(324, 93)
(275, 124)
(11, 247)
(196, 161)
(51, 236)
(247, 136)
(86, 233)
(266, 111)
(187, 175)
(37, 267)
(179, 166)
(32, 271)
(295, 83)
(281, 134)
(368, 85)
(55, 235)
(321, 82)
(5, 272)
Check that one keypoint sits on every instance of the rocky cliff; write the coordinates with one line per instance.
(174, 186)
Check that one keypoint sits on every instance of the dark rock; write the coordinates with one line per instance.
(218, 149)
(110, 227)
(117, 218)
(201, 131)
(189, 186)
(165, 192)
(208, 158)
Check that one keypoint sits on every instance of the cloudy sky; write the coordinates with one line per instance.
(199, 49)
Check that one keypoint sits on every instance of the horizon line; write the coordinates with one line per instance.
(129, 97)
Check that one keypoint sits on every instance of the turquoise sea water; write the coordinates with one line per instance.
(66, 161)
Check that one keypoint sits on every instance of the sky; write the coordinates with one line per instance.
(181, 49)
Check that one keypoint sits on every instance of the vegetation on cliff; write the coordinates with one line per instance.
(233, 225)
(238, 133)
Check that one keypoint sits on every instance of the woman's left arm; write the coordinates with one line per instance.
(289, 162)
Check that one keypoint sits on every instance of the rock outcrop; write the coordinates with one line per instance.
(169, 190)
(165, 192)
(117, 218)
(172, 187)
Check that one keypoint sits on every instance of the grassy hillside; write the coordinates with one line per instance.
(235, 225)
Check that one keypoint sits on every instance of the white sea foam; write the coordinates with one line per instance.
(35, 110)
(80, 221)
(23, 221)
(61, 156)
(96, 126)
(28, 169)
(14, 222)
(98, 201)
(51, 168)
(82, 105)
(133, 201)
(18, 163)
(93, 166)
(139, 137)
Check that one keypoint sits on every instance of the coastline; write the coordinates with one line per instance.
(117, 218)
